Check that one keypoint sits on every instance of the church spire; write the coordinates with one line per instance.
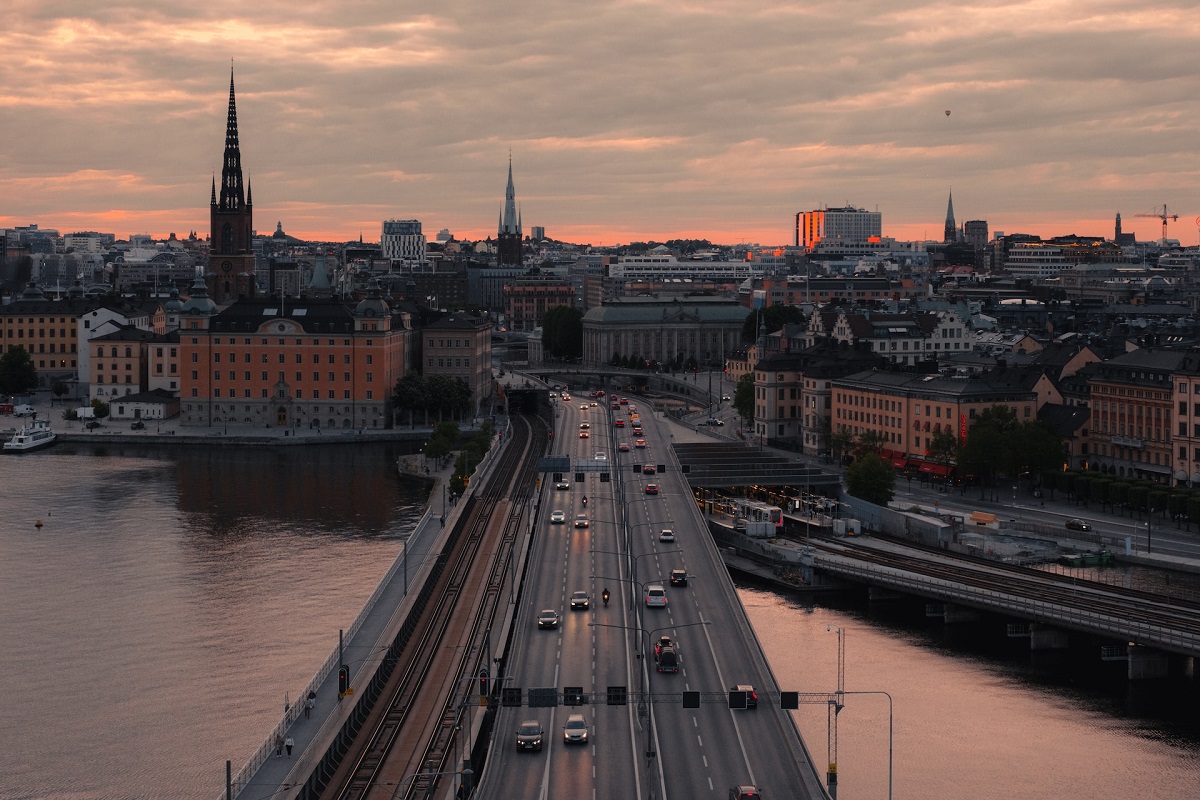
(509, 221)
(951, 230)
(232, 195)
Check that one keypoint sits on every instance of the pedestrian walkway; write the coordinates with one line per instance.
(313, 721)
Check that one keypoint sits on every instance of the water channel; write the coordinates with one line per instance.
(173, 600)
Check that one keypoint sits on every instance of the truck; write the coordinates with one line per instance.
(6, 408)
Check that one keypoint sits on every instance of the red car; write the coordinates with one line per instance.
(651, 488)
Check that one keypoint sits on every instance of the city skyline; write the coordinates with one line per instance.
(641, 122)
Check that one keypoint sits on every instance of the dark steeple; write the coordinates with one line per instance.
(231, 253)
(951, 229)
(509, 234)
(233, 197)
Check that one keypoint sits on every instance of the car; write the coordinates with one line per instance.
(584, 406)
(639, 443)
(666, 535)
(566, 396)
(557, 517)
(667, 660)
(580, 601)
(584, 435)
(744, 792)
(529, 735)
(562, 486)
(751, 695)
(620, 423)
(547, 618)
(623, 447)
(600, 457)
(137, 425)
(581, 521)
(656, 596)
(595, 405)
(679, 577)
(92, 425)
(651, 488)
(648, 469)
(624, 401)
(1078, 525)
(637, 430)
(614, 406)
(583, 426)
(715, 421)
(575, 731)
(726, 397)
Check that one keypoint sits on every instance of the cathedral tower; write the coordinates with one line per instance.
(508, 237)
(230, 272)
(951, 234)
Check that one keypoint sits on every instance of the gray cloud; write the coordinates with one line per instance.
(626, 120)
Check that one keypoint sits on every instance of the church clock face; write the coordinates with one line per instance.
(227, 266)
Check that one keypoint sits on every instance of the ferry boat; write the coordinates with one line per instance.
(33, 436)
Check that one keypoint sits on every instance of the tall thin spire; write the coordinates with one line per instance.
(509, 222)
(232, 194)
(951, 229)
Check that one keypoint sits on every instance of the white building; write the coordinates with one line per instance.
(846, 224)
(403, 241)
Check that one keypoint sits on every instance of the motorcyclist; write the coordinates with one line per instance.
(604, 596)
(585, 501)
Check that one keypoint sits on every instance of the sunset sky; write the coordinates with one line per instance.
(625, 120)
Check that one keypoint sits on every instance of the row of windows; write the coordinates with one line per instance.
(316, 376)
(41, 333)
(282, 394)
(450, 362)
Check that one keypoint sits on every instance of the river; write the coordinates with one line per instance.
(174, 599)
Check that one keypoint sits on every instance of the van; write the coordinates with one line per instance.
(24, 410)
(656, 596)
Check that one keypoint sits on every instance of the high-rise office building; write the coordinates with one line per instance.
(844, 224)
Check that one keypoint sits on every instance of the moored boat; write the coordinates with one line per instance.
(34, 436)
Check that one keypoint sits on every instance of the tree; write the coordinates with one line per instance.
(17, 373)
(743, 397)
(872, 479)
(943, 447)
(773, 318)
(841, 442)
(562, 333)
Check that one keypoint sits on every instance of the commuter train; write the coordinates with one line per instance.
(757, 519)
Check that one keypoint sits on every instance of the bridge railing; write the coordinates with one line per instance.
(1040, 610)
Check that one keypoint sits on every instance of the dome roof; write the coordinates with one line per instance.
(373, 305)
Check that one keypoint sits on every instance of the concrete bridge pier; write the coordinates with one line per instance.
(956, 615)
(1043, 637)
(1147, 664)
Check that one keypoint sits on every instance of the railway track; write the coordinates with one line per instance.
(407, 741)
(1120, 602)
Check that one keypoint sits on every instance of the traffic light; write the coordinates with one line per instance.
(343, 680)
(483, 683)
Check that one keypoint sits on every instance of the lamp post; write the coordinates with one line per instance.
(835, 707)
(645, 693)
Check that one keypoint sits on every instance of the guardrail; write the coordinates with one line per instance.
(1039, 610)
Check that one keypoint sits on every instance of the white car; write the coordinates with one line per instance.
(656, 596)
(557, 517)
(576, 730)
(666, 535)
(600, 457)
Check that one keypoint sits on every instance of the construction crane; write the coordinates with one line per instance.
(1164, 216)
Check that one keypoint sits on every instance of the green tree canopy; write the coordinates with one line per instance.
(17, 373)
(774, 318)
(562, 332)
(743, 397)
(872, 479)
